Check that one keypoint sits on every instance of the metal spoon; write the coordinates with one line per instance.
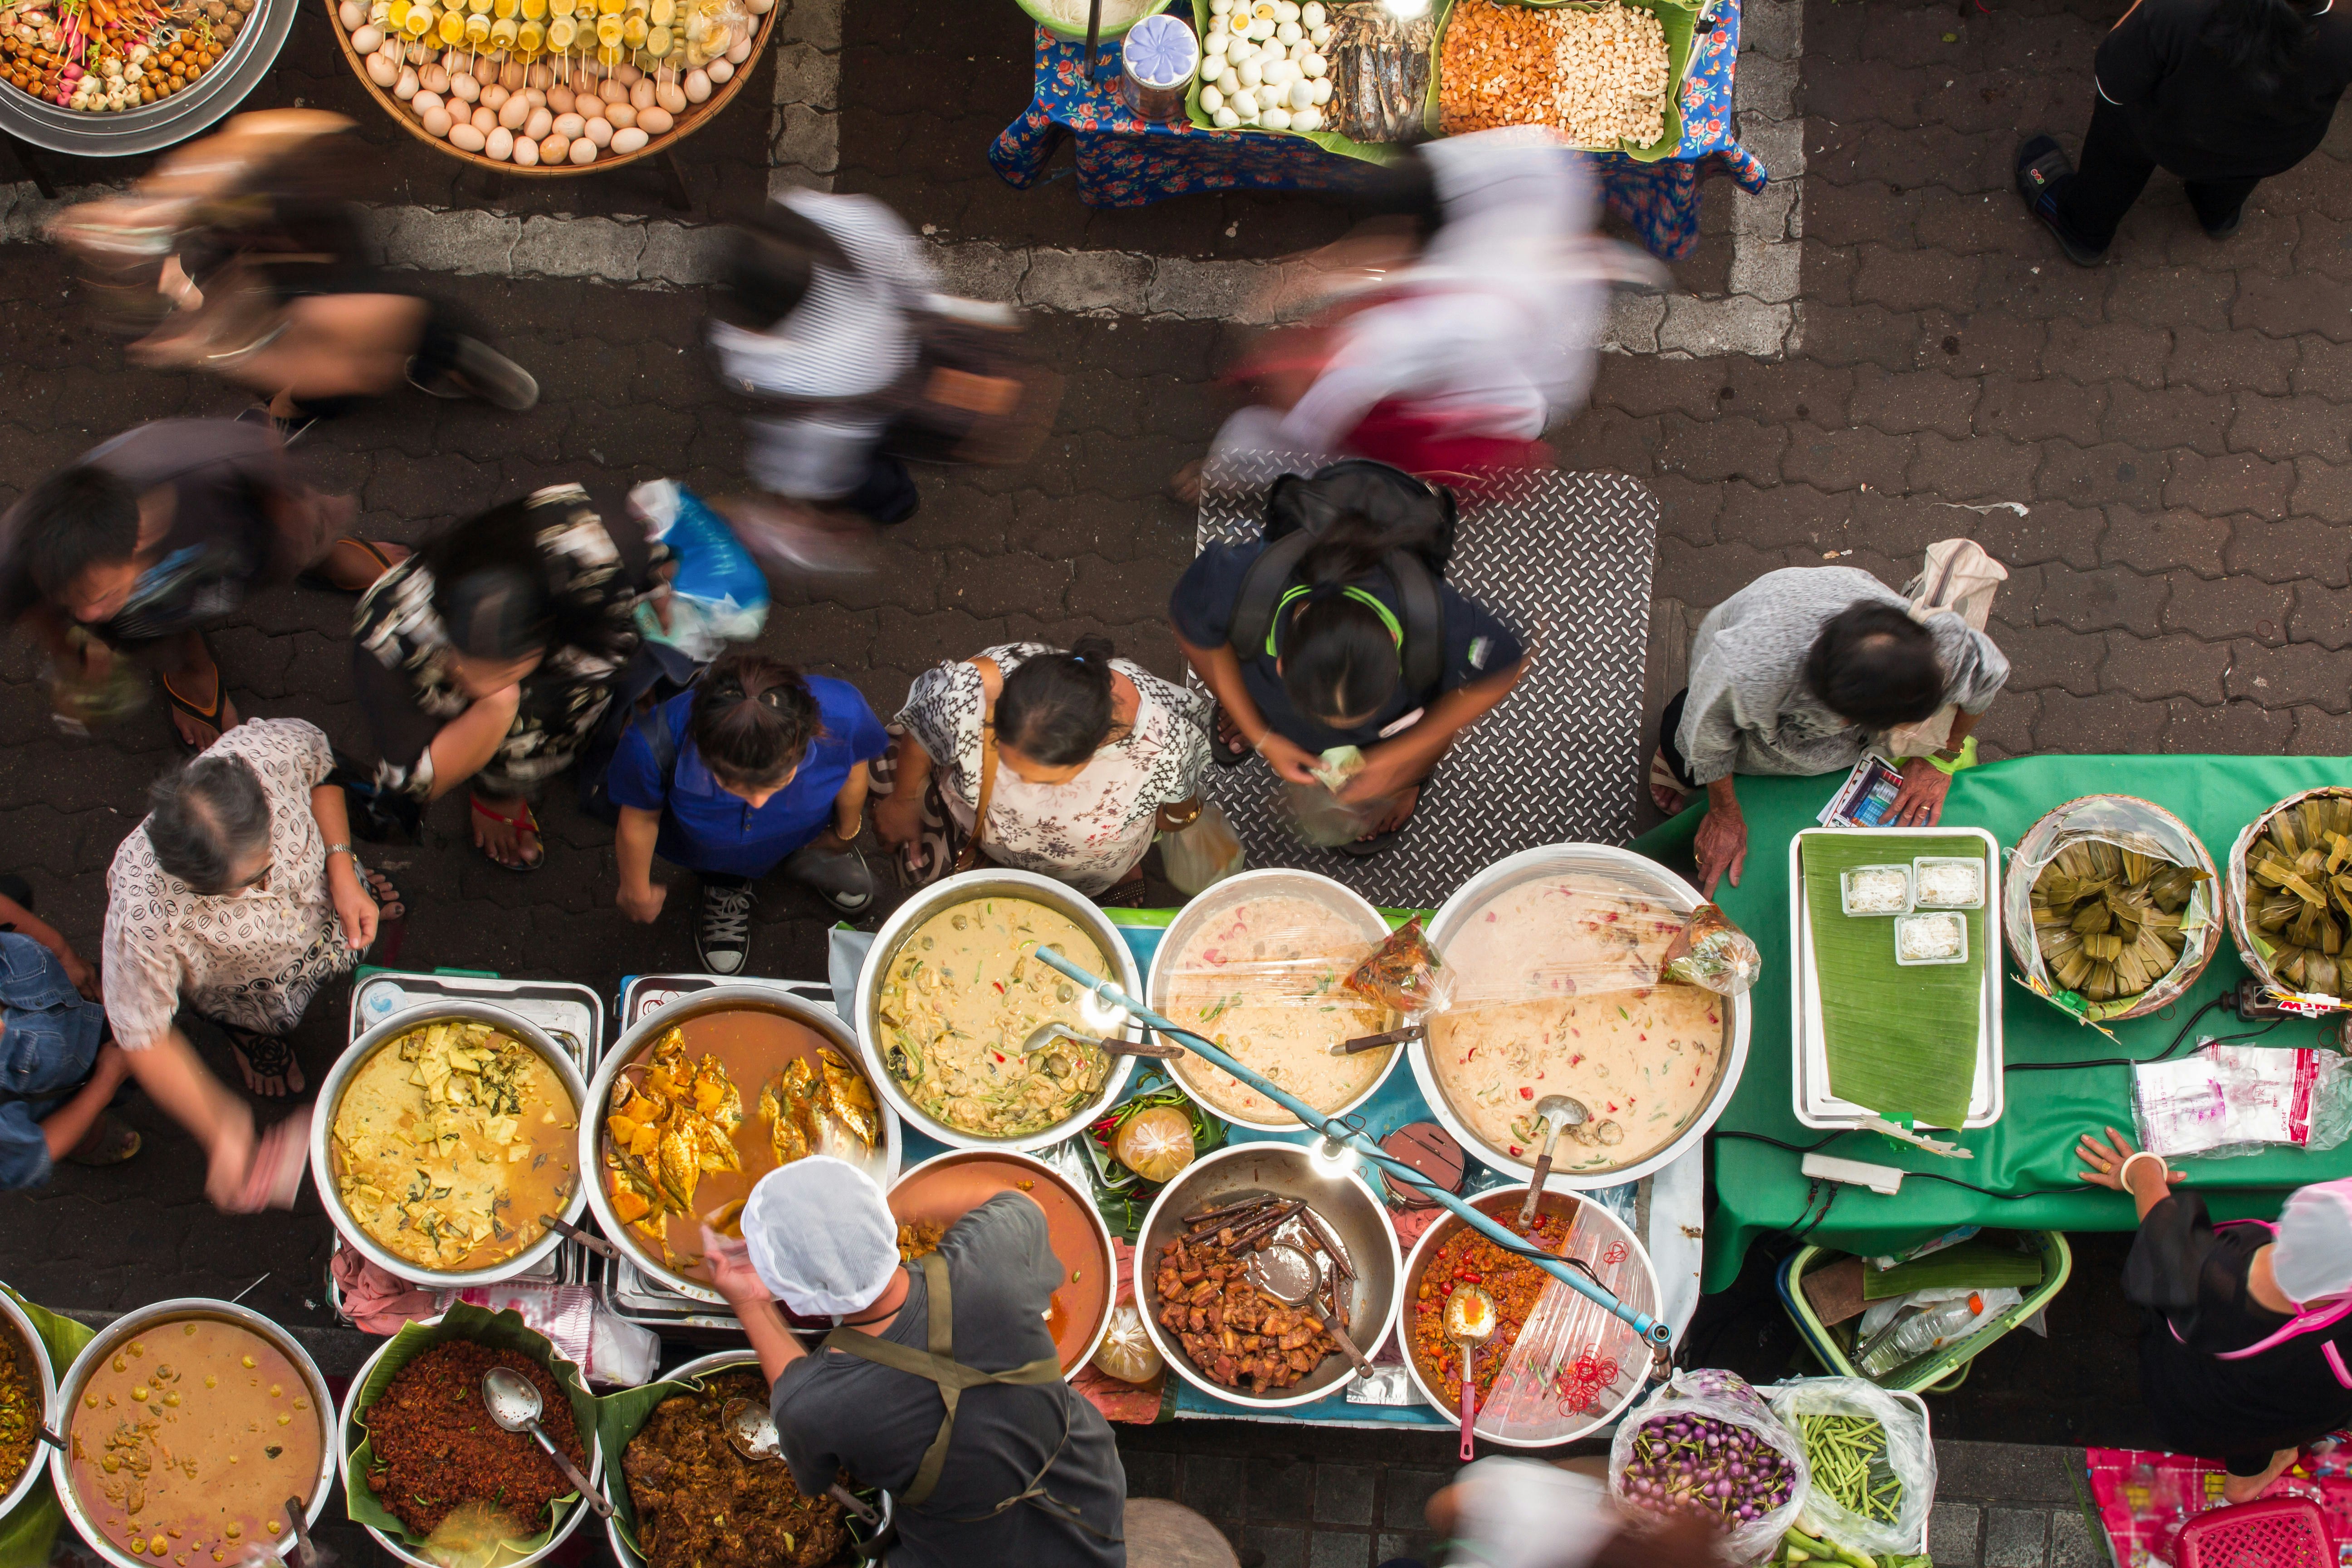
(1285, 1273)
(596, 1244)
(1469, 1322)
(1373, 1042)
(1556, 1111)
(1042, 1037)
(752, 1432)
(302, 1530)
(514, 1404)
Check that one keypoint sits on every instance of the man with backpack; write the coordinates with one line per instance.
(1340, 631)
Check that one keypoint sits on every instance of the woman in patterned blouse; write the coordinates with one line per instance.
(1094, 755)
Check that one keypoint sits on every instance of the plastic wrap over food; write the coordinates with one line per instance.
(2110, 875)
(1404, 974)
(2222, 1101)
(1575, 1361)
(2289, 899)
(1714, 952)
(1263, 979)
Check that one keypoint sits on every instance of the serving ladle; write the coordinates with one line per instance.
(750, 1429)
(302, 1541)
(1040, 1040)
(1556, 1111)
(1469, 1322)
(1288, 1275)
(596, 1244)
(514, 1404)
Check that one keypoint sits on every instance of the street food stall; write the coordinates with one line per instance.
(1643, 85)
(115, 80)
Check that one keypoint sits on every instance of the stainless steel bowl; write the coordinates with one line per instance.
(96, 1353)
(323, 1128)
(1339, 1198)
(702, 1367)
(167, 119)
(346, 1443)
(960, 890)
(1503, 1203)
(1275, 882)
(45, 1378)
(1645, 875)
(695, 1004)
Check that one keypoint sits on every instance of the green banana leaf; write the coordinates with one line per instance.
(27, 1534)
(500, 1331)
(1331, 141)
(620, 1416)
(1676, 18)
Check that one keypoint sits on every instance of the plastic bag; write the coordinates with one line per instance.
(2222, 1101)
(1909, 1457)
(1714, 954)
(1725, 1398)
(2276, 964)
(1404, 973)
(1202, 853)
(1324, 819)
(1126, 1352)
(2126, 823)
(717, 594)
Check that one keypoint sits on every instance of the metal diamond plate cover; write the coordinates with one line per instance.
(1567, 564)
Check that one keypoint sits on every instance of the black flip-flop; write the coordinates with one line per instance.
(1379, 843)
(1219, 752)
(180, 704)
(2040, 164)
(265, 1055)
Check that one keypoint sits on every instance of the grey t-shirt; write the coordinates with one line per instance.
(836, 1412)
(1749, 710)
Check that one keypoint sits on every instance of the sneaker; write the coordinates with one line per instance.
(723, 939)
(839, 874)
(2042, 168)
(482, 371)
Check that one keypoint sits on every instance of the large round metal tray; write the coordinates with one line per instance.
(1273, 881)
(1503, 1203)
(323, 1127)
(694, 1004)
(166, 121)
(129, 1326)
(346, 1443)
(1009, 884)
(702, 1367)
(1652, 880)
(45, 1378)
(1339, 1197)
(946, 1187)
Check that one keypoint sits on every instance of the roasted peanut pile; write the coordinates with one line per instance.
(1593, 76)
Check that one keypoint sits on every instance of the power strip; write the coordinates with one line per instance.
(1886, 1179)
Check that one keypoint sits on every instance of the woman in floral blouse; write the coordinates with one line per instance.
(1094, 755)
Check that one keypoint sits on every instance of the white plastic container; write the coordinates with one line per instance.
(1923, 923)
(1922, 868)
(1846, 890)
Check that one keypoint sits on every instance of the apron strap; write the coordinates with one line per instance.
(937, 1366)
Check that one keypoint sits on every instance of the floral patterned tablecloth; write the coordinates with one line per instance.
(1124, 161)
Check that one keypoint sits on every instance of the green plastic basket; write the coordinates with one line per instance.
(1678, 18)
(1941, 1370)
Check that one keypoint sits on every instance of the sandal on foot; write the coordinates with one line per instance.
(1127, 894)
(1223, 755)
(109, 1141)
(371, 549)
(1358, 849)
(522, 822)
(1662, 782)
(216, 716)
(265, 1055)
(2041, 165)
(280, 1161)
(389, 905)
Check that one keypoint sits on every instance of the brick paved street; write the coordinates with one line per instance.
(2158, 449)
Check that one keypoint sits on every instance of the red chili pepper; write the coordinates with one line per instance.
(998, 1054)
(1000, 986)
(1526, 1093)
(1515, 1150)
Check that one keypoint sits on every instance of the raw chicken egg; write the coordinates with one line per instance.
(467, 138)
(583, 150)
(629, 139)
(499, 145)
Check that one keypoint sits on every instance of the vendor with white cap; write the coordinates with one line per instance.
(939, 1382)
(2252, 1358)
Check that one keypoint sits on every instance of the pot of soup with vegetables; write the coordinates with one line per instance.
(952, 993)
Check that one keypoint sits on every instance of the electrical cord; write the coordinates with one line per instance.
(2165, 1055)
(1908, 1174)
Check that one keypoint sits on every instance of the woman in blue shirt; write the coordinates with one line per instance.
(758, 766)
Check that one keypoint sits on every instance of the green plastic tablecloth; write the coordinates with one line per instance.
(2025, 1161)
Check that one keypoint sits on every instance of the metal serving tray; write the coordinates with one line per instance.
(573, 1015)
(1815, 1106)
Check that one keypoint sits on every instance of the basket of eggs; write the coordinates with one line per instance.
(552, 87)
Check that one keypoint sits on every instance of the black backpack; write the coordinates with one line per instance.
(1300, 507)
(654, 673)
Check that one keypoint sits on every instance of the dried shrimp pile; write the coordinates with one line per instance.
(1597, 77)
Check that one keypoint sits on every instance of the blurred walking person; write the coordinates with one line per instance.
(241, 256)
(2222, 93)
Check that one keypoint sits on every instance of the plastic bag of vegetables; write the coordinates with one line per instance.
(2111, 907)
(1705, 1444)
(1872, 1464)
(2289, 899)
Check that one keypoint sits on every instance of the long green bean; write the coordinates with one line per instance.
(1848, 1457)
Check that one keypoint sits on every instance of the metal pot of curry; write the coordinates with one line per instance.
(188, 1424)
(702, 1097)
(28, 1396)
(449, 1131)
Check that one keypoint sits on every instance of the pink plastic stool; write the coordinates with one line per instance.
(2284, 1532)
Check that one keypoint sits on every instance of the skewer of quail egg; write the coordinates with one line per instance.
(549, 81)
(1262, 65)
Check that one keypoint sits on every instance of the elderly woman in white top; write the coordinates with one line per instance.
(1093, 756)
(238, 898)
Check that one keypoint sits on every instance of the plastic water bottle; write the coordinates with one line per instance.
(1915, 1336)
